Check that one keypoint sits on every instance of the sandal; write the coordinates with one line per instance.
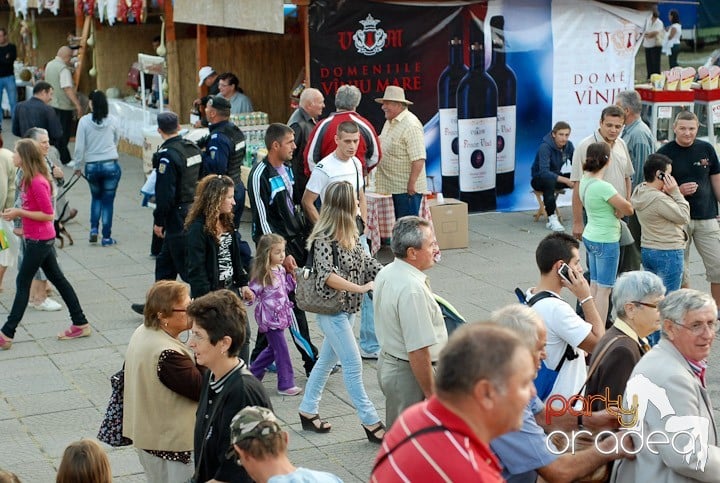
(308, 424)
(372, 433)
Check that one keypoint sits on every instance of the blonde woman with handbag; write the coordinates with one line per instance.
(353, 276)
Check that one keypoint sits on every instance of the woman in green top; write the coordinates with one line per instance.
(604, 206)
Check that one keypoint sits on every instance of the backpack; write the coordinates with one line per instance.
(546, 377)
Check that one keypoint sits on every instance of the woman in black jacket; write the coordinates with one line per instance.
(218, 331)
(213, 256)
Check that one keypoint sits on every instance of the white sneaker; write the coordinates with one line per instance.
(293, 391)
(554, 224)
(47, 305)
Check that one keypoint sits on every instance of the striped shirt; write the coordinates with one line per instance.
(402, 142)
(451, 455)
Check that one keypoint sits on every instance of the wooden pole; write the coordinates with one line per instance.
(83, 51)
(304, 16)
(172, 60)
(202, 54)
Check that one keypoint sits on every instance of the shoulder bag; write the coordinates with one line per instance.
(306, 294)
(111, 427)
(583, 440)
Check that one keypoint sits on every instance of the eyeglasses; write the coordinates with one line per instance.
(699, 328)
(196, 337)
(646, 304)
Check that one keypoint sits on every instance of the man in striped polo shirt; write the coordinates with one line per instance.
(484, 381)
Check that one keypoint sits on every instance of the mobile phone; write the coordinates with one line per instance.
(564, 272)
(661, 175)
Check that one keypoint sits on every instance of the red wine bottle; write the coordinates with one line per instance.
(506, 82)
(477, 98)
(447, 112)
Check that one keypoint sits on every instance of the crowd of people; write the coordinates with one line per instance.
(485, 403)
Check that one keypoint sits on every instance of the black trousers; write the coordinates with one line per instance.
(66, 121)
(548, 188)
(301, 339)
(652, 59)
(170, 262)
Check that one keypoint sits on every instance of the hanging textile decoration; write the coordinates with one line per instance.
(21, 8)
(52, 5)
(131, 11)
(108, 9)
(85, 8)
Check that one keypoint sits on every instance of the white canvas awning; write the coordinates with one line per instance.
(259, 15)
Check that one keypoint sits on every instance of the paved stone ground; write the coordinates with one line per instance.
(55, 392)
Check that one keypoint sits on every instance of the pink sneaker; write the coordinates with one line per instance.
(292, 391)
(5, 342)
(75, 332)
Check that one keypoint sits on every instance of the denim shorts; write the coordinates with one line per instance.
(603, 261)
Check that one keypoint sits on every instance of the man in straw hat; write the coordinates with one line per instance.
(260, 446)
(402, 170)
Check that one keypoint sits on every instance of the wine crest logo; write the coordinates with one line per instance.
(623, 40)
(369, 40)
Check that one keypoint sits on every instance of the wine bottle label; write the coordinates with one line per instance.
(477, 156)
(505, 139)
(449, 142)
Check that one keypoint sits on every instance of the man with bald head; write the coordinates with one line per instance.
(65, 100)
(302, 122)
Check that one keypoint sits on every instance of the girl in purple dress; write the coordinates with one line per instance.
(271, 285)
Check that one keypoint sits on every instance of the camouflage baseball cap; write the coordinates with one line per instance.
(251, 422)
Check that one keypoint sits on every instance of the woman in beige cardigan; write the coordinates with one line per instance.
(162, 386)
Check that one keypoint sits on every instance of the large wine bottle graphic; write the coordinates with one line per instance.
(447, 113)
(506, 82)
(477, 99)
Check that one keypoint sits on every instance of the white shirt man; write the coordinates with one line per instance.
(340, 165)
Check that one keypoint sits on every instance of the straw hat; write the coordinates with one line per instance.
(394, 93)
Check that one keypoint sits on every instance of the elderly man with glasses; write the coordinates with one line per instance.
(674, 427)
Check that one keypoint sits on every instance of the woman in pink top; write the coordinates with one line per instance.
(39, 233)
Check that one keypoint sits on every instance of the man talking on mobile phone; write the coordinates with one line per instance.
(568, 336)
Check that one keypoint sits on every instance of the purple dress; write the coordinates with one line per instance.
(274, 311)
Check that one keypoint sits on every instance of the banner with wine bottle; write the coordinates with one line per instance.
(487, 79)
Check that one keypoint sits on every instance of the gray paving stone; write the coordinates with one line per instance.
(47, 403)
(16, 445)
(124, 462)
(39, 471)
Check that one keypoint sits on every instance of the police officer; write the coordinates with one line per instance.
(178, 171)
(178, 164)
(225, 149)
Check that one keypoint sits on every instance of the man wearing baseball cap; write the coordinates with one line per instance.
(260, 446)
(210, 79)
(225, 149)
(402, 171)
(178, 163)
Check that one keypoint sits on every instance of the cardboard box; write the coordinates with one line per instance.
(450, 220)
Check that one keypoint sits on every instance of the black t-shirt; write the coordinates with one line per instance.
(695, 163)
(8, 54)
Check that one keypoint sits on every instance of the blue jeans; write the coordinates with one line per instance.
(406, 204)
(368, 340)
(8, 84)
(40, 254)
(668, 265)
(103, 177)
(603, 259)
(339, 344)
